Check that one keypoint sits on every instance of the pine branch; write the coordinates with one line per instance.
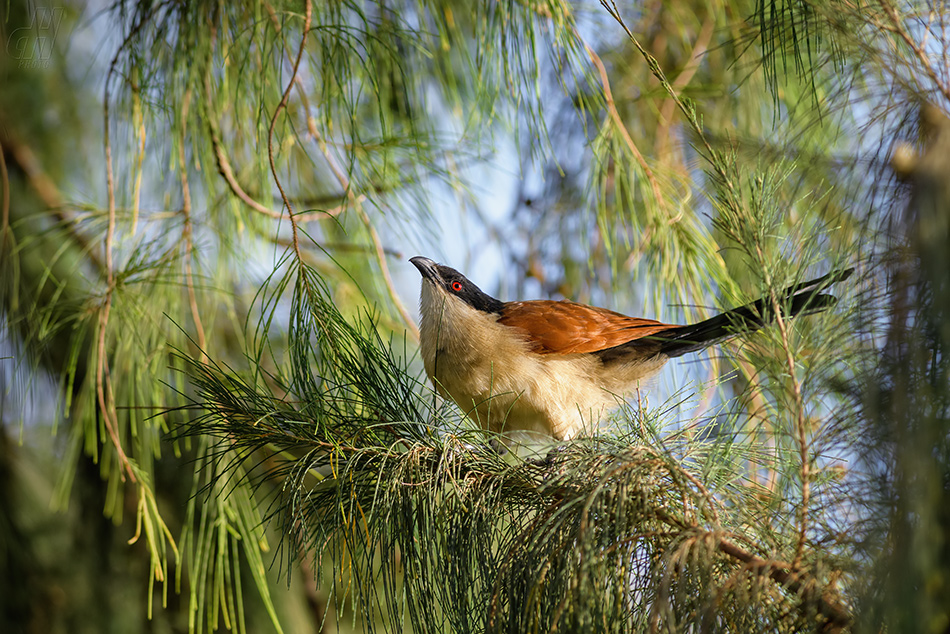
(349, 453)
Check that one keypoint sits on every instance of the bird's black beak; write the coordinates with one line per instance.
(427, 268)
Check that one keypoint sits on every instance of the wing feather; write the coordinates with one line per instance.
(563, 327)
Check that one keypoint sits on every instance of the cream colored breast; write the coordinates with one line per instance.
(472, 358)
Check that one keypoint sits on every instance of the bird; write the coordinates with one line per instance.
(555, 367)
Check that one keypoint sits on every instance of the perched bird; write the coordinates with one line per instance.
(555, 367)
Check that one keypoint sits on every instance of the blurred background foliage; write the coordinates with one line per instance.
(662, 159)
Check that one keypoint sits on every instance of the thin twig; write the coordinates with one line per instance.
(224, 168)
(103, 376)
(273, 122)
(224, 164)
(188, 230)
(102, 372)
(138, 120)
(801, 428)
(221, 158)
(311, 125)
(106, 397)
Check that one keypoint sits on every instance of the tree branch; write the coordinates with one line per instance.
(837, 616)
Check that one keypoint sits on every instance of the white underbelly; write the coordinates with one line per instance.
(557, 395)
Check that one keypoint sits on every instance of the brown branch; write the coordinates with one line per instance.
(311, 124)
(46, 189)
(101, 370)
(918, 50)
(224, 164)
(682, 80)
(787, 575)
(41, 183)
(615, 117)
(837, 616)
(103, 376)
(823, 600)
(104, 393)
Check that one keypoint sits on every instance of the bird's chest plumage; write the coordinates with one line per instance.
(488, 369)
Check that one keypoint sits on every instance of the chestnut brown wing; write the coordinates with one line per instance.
(568, 328)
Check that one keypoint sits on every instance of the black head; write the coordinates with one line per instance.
(454, 283)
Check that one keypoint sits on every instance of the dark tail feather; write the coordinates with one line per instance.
(796, 300)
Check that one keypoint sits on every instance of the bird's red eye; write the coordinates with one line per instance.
(456, 286)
